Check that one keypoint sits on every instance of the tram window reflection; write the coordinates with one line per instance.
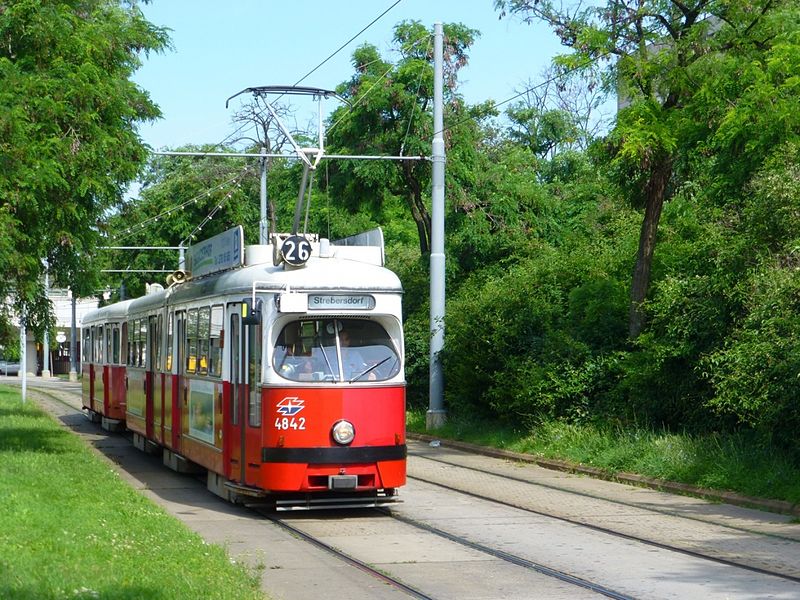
(191, 341)
(335, 350)
(203, 340)
(217, 317)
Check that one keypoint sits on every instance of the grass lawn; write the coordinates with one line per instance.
(71, 528)
(736, 462)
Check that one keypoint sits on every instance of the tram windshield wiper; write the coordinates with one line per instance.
(328, 362)
(375, 366)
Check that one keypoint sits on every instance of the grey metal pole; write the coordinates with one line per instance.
(181, 258)
(46, 344)
(23, 357)
(263, 225)
(298, 209)
(437, 415)
(73, 344)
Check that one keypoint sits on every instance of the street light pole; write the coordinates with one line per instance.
(23, 357)
(46, 345)
(73, 367)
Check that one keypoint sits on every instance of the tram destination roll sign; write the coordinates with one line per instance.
(219, 253)
(338, 302)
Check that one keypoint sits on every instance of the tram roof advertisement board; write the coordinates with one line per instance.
(222, 252)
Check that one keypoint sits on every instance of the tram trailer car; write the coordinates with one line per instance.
(103, 379)
(285, 383)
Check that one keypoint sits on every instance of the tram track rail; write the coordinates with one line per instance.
(605, 530)
(573, 492)
(451, 537)
(510, 558)
(344, 557)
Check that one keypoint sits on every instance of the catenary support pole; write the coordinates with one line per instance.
(436, 415)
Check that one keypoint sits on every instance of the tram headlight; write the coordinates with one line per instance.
(343, 432)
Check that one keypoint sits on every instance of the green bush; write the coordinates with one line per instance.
(756, 374)
(597, 313)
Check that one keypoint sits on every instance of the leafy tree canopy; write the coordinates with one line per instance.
(665, 57)
(390, 113)
(68, 139)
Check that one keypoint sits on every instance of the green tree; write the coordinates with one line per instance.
(68, 139)
(390, 113)
(655, 50)
(182, 200)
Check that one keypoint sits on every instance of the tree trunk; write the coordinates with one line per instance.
(655, 190)
(418, 210)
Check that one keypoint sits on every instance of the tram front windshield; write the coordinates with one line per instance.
(342, 350)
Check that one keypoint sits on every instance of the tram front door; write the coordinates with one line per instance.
(244, 406)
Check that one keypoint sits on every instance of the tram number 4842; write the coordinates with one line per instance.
(296, 423)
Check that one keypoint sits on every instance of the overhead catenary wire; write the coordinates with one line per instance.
(552, 79)
(544, 83)
(135, 228)
(347, 43)
(372, 87)
(140, 226)
(304, 77)
(414, 109)
(237, 184)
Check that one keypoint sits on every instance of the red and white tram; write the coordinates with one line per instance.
(284, 382)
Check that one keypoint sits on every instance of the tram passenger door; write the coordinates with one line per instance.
(178, 391)
(245, 404)
(151, 377)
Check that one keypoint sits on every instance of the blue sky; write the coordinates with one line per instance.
(222, 47)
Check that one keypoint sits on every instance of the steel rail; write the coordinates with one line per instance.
(627, 536)
(396, 583)
(511, 558)
(651, 509)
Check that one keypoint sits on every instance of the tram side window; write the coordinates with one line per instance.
(86, 346)
(115, 344)
(136, 343)
(254, 377)
(170, 321)
(157, 342)
(191, 341)
(215, 358)
(98, 345)
(204, 330)
(131, 338)
(134, 331)
(129, 345)
(108, 348)
(123, 344)
(143, 343)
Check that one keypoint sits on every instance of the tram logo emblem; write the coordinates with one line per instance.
(290, 406)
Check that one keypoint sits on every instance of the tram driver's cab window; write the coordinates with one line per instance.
(339, 350)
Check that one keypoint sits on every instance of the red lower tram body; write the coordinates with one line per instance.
(103, 394)
(275, 443)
